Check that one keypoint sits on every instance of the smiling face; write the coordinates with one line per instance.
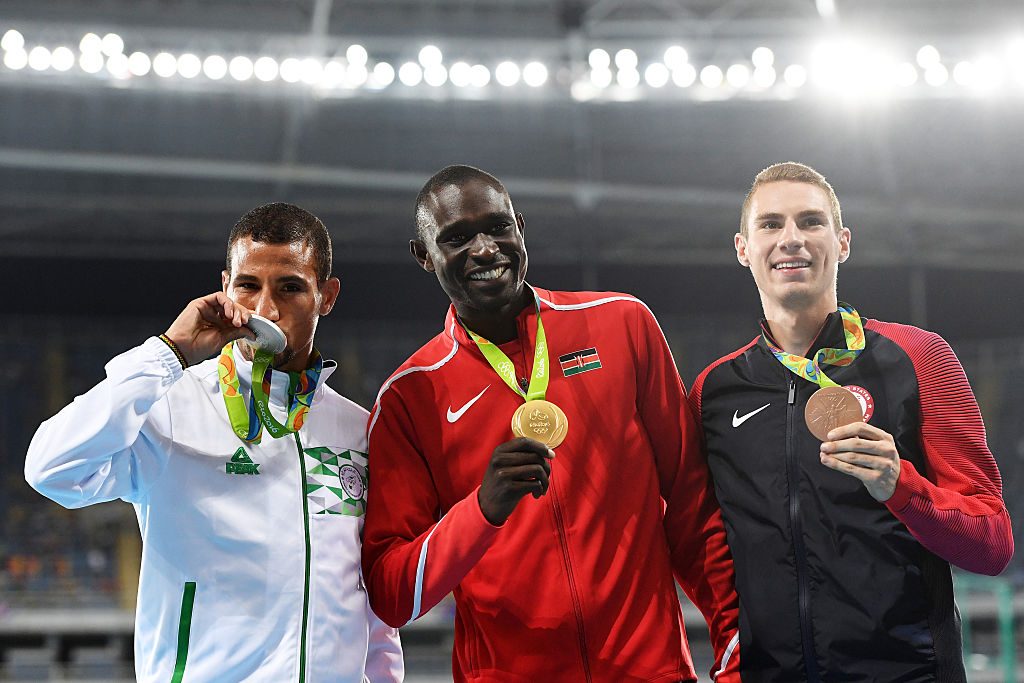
(474, 244)
(792, 246)
(279, 282)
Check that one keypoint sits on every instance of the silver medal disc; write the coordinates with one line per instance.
(269, 336)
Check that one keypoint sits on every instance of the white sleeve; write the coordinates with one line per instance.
(384, 663)
(96, 449)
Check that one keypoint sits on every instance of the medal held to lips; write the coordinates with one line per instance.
(541, 421)
(831, 407)
(269, 337)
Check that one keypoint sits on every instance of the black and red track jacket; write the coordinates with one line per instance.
(833, 585)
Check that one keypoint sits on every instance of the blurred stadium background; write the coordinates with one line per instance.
(134, 132)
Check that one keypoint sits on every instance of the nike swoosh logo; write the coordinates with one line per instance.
(737, 420)
(453, 416)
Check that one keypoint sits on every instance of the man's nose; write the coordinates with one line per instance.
(483, 246)
(790, 236)
(266, 306)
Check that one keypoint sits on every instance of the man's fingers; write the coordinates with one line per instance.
(875, 447)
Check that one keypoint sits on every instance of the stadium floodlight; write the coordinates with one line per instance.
(430, 55)
(928, 57)
(988, 73)
(936, 75)
(12, 40)
(656, 75)
(535, 74)
(963, 73)
(356, 76)
(826, 8)
(764, 77)
(310, 71)
(189, 65)
(684, 75)
(215, 67)
(15, 60)
(435, 75)
(291, 70)
(601, 78)
(675, 57)
(904, 74)
(507, 74)
(711, 76)
(383, 75)
(335, 75)
(627, 78)
(626, 59)
(599, 59)
(265, 69)
(762, 57)
(112, 44)
(117, 65)
(165, 65)
(356, 54)
(460, 74)
(479, 76)
(139, 64)
(738, 75)
(90, 43)
(795, 76)
(240, 68)
(62, 58)
(410, 74)
(91, 62)
(39, 58)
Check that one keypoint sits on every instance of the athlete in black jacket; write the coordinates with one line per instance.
(842, 549)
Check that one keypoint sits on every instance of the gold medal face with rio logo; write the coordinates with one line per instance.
(541, 421)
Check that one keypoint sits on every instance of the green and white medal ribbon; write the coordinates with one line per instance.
(537, 418)
(248, 421)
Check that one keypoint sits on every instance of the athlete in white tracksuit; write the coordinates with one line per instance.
(250, 561)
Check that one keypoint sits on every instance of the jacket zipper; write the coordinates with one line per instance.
(560, 525)
(305, 588)
(803, 591)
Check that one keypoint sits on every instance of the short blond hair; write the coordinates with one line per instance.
(794, 172)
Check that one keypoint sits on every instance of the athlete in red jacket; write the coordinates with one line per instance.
(561, 559)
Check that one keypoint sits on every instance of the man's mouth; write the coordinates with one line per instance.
(789, 265)
(492, 274)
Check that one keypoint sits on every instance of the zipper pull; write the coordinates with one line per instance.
(792, 392)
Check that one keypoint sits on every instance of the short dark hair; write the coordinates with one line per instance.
(456, 174)
(282, 223)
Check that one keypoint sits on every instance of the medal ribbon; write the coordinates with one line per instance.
(506, 369)
(810, 369)
(248, 422)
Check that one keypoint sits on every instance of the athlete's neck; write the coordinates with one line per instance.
(497, 327)
(795, 329)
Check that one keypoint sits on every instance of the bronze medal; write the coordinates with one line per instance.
(831, 407)
(541, 421)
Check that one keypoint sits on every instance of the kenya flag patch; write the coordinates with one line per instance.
(579, 361)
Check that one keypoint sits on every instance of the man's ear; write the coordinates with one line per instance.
(225, 279)
(329, 292)
(845, 236)
(420, 252)
(740, 242)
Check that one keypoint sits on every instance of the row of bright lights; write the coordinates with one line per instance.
(354, 71)
(836, 65)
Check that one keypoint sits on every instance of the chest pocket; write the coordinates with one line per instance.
(336, 481)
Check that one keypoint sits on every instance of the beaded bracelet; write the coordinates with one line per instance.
(174, 347)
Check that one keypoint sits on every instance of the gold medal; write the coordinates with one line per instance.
(541, 421)
(831, 407)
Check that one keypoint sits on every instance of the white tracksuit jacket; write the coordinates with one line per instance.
(250, 560)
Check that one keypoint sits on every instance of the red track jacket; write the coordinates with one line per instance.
(576, 585)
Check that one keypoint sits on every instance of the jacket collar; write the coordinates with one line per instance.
(829, 336)
(525, 319)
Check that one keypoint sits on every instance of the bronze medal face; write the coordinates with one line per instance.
(541, 421)
(831, 407)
